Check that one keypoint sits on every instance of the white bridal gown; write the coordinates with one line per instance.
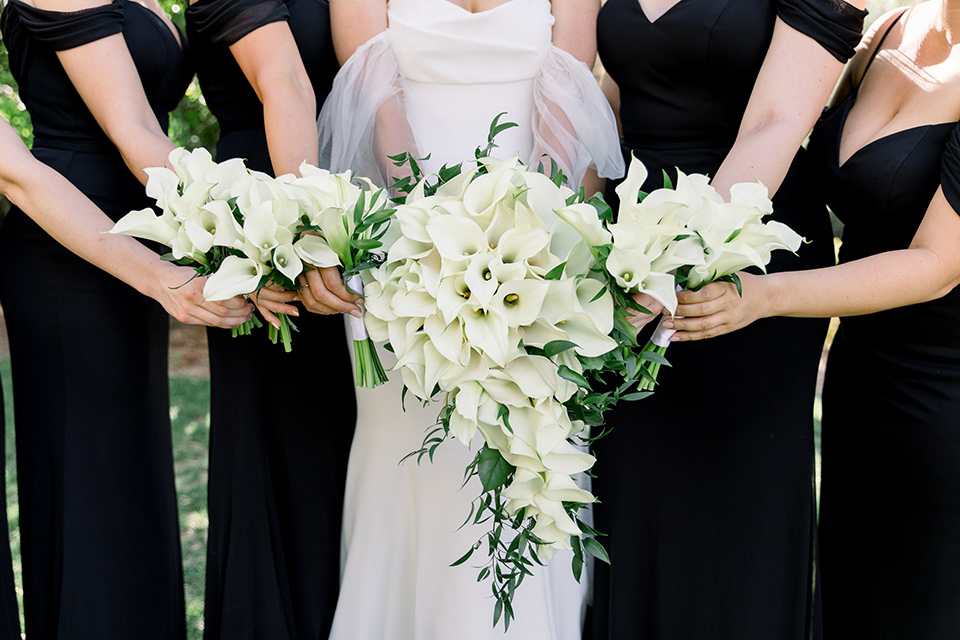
(450, 71)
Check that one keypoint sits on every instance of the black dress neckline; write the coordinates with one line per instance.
(181, 42)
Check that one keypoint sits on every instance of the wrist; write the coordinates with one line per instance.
(769, 296)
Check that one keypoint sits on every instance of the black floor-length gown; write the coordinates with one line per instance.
(706, 487)
(890, 514)
(98, 510)
(281, 423)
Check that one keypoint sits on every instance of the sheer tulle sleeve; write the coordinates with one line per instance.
(950, 171)
(226, 21)
(363, 119)
(62, 31)
(836, 25)
(573, 123)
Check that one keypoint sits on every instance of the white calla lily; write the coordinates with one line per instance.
(146, 224)
(315, 251)
(236, 276)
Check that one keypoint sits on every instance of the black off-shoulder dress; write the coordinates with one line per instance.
(706, 487)
(98, 510)
(890, 508)
(281, 423)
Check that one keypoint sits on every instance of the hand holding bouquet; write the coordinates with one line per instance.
(244, 229)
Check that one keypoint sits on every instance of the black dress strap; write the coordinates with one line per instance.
(226, 21)
(876, 49)
(62, 31)
(950, 170)
(836, 25)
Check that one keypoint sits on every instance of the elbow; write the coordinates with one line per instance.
(783, 125)
(291, 87)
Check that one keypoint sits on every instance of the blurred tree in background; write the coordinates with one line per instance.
(191, 125)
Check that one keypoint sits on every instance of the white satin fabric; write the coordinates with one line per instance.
(435, 79)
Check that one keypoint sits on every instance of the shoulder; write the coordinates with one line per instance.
(872, 39)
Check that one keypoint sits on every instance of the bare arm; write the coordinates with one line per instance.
(354, 22)
(104, 74)
(794, 83)
(929, 269)
(74, 221)
(270, 60)
(575, 28)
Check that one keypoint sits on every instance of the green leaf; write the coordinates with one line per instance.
(667, 182)
(637, 395)
(492, 469)
(554, 347)
(604, 212)
(567, 373)
(596, 549)
(556, 273)
(465, 556)
(503, 413)
(654, 356)
(577, 563)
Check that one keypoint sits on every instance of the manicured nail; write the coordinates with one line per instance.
(668, 324)
(295, 313)
(356, 314)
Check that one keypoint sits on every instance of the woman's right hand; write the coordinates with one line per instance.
(273, 300)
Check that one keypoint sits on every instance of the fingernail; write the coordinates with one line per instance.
(668, 324)
(356, 314)
(295, 313)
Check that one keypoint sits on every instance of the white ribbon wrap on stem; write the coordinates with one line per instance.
(357, 329)
(661, 337)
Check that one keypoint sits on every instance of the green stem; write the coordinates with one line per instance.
(369, 370)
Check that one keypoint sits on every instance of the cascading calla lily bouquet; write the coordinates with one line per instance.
(495, 310)
(245, 230)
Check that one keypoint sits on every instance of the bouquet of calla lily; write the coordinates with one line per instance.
(493, 306)
(680, 237)
(244, 229)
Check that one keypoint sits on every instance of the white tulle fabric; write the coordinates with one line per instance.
(439, 64)
(435, 80)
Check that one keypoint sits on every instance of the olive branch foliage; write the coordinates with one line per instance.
(510, 559)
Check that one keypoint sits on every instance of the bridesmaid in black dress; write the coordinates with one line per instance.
(71, 219)
(888, 164)
(278, 453)
(98, 511)
(706, 487)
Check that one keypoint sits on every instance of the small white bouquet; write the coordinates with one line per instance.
(677, 238)
(244, 229)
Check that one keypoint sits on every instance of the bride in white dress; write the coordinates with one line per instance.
(429, 76)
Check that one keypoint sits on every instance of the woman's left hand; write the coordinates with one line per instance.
(717, 309)
(181, 295)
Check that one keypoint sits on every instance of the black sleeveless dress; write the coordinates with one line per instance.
(278, 453)
(707, 487)
(890, 515)
(98, 509)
